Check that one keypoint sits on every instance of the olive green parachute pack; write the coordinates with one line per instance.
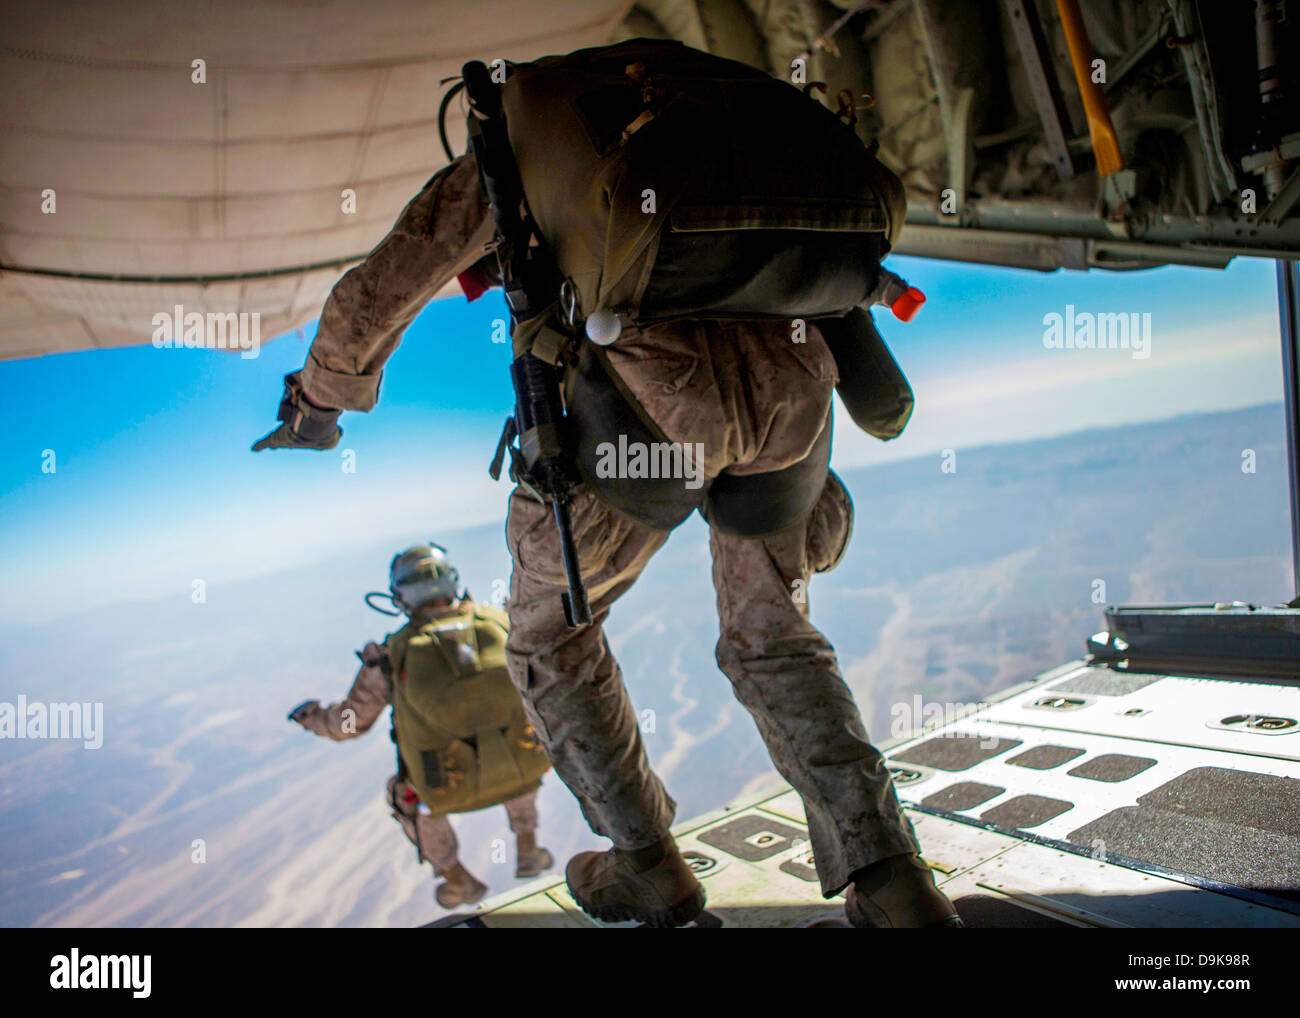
(673, 183)
(462, 737)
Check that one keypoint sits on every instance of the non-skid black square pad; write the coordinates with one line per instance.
(1026, 811)
(952, 753)
(1111, 767)
(963, 795)
(1103, 682)
(1042, 758)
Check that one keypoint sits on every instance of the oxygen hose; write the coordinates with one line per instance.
(442, 118)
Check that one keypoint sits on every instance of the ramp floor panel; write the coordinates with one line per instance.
(1159, 821)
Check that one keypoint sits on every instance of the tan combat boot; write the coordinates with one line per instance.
(653, 885)
(898, 892)
(531, 859)
(459, 887)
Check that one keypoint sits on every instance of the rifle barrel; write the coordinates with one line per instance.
(576, 606)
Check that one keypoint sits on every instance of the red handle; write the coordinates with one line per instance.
(908, 304)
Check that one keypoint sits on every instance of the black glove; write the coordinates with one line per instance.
(373, 656)
(304, 709)
(305, 426)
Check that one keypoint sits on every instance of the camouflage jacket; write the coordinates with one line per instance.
(371, 692)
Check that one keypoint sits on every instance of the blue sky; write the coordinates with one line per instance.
(155, 485)
(976, 358)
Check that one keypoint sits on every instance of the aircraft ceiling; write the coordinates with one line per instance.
(227, 194)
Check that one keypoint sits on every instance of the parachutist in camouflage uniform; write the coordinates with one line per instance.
(450, 684)
(759, 405)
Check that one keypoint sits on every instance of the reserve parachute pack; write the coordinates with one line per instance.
(672, 183)
(463, 740)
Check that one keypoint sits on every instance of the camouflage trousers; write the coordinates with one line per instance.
(434, 838)
(782, 670)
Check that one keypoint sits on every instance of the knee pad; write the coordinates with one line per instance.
(831, 526)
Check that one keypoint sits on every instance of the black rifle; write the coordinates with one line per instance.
(531, 280)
